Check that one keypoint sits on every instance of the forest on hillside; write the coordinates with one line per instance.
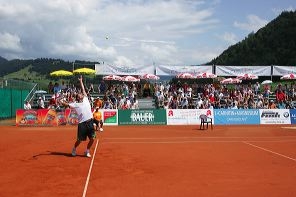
(274, 44)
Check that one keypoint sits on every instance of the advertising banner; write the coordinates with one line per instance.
(27, 118)
(283, 70)
(186, 116)
(110, 116)
(237, 70)
(107, 69)
(236, 116)
(275, 116)
(166, 70)
(293, 116)
(142, 117)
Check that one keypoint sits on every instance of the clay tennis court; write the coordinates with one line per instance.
(134, 161)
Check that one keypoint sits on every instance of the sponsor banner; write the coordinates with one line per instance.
(167, 70)
(275, 116)
(237, 70)
(27, 118)
(283, 70)
(236, 116)
(293, 116)
(142, 117)
(106, 69)
(186, 116)
(110, 116)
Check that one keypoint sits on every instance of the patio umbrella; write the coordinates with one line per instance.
(60, 73)
(289, 76)
(112, 78)
(150, 76)
(266, 82)
(185, 76)
(206, 75)
(247, 76)
(130, 79)
(230, 81)
(84, 71)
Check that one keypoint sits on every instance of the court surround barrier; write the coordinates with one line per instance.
(50, 117)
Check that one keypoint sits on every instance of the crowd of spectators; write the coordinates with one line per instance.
(179, 95)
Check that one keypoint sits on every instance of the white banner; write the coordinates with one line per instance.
(283, 70)
(275, 116)
(186, 116)
(106, 69)
(167, 70)
(236, 70)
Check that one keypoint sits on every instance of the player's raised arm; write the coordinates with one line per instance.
(82, 85)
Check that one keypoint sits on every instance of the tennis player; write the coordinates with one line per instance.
(85, 119)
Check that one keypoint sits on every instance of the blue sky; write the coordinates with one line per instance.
(131, 32)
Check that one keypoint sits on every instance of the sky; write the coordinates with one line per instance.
(131, 32)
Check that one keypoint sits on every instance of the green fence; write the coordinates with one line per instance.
(11, 100)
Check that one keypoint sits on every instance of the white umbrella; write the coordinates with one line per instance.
(289, 76)
(130, 79)
(185, 76)
(150, 76)
(247, 76)
(266, 82)
(112, 78)
(230, 81)
(206, 75)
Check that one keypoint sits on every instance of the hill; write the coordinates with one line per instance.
(274, 44)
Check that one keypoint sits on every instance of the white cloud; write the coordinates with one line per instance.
(139, 30)
(10, 42)
(254, 23)
(230, 38)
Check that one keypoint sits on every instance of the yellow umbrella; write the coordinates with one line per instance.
(60, 73)
(84, 71)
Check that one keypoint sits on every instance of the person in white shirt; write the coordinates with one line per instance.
(27, 105)
(85, 118)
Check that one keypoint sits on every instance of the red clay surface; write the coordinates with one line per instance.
(150, 161)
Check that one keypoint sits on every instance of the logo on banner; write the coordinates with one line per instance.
(142, 117)
(270, 114)
(171, 113)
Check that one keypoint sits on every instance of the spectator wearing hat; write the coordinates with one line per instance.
(40, 103)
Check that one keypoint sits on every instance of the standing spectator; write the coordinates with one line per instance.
(102, 87)
(50, 88)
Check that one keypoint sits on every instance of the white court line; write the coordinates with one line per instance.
(190, 141)
(191, 137)
(270, 151)
(89, 171)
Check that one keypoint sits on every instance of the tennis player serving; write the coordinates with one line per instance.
(85, 118)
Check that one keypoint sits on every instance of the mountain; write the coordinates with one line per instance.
(274, 44)
(43, 66)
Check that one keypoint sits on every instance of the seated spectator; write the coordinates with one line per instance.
(40, 103)
(272, 105)
(27, 105)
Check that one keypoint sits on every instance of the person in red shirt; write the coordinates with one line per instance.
(280, 95)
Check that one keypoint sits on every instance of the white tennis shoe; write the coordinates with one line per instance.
(101, 129)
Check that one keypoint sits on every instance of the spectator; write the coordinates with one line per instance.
(40, 103)
(27, 105)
